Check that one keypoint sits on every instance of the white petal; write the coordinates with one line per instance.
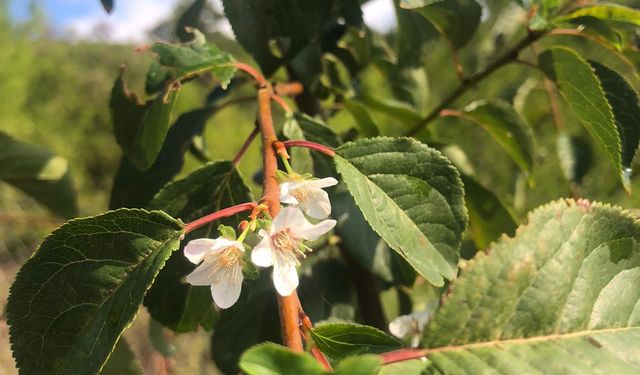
(316, 204)
(323, 182)
(401, 326)
(223, 243)
(285, 192)
(285, 275)
(421, 318)
(196, 249)
(262, 254)
(311, 232)
(202, 275)
(289, 217)
(226, 292)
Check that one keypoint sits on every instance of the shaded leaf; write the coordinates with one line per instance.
(607, 12)
(488, 217)
(39, 173)
(557, 298)
(171, 301)
(413, 32)
(340, 340)
(580, 87)
(457, 20)
(411, 196)
(301, 160)
(140, 128)
(400, 112)
(273, 359)
(575, 156)
(625, 105)
(599, 27)
(365, 123)
(507, 127)
(122, 361)
(73, 298)
(179, 62)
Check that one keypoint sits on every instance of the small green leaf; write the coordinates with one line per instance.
(507, 127)
(273, 359)
(575, 156)
(559, 297)
(625, 104)
(456, 20)
(73, 298)
(607, 12)
(581, 88)
(39, 173)
(359, 365)
(227, 231)
(340, 340)
(122, 361)
(365, 123)
(183, 61)
(140, 128)
(412, 197)
(171, 301)
(488, 217)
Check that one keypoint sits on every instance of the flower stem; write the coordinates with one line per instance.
(229, 211)
(312, 145)
(287, 306)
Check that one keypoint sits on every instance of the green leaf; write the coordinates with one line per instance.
(262, 26)
(190, 20)
(488, 217)
(39, 173)
(316, 131)
(360, 365)
(411, 196)
(576, 157)
(411, 367)
(401, 113)
(365, 123)
(507, 127)
(413, 32)
(607, 12)
(122, 361)
(597, 27)
(340, 340)
(560, 297)
(73, 298)
(580, 87)
(140, 128)
(625, 104)
(273, 359)
(179, 62)
(301, 160)
(456, 20)
(174, 303)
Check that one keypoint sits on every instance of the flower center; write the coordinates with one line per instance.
(226, 257)
(300, 193)
(284, 240)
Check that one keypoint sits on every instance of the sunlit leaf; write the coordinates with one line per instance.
(607, 12)
(340, 340)
(272, 359)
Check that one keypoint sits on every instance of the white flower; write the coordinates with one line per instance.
(221, 268)
(281, 246)
(410, 326)
(308, 195)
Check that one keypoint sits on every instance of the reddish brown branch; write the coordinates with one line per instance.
(278, 99)
(287, 306)
(312, 145)
(230, 211)
(252, 72)
(402, 355)
(245, 146)
(288, 88)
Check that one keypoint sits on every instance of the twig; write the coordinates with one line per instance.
(229, 211)
(260, 80)
(245, 146)
(312, 145)
(278, 99)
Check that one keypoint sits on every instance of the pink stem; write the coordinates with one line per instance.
(229, 211)
(312, 145)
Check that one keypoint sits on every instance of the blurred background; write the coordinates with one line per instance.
(58, 61)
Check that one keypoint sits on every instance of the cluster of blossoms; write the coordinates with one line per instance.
(221, 260)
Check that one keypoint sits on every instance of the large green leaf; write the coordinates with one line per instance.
(39, 173)
(171, 301)
(359, 365)
(607, 12)
(457, 20)
(273, 359)
(559, 298)
(179, 62)
(266, 26)
(581, 88)
(340, 340)
(140, 128)
(507, 127)
(625, 104)
(488, 217)
(411, 196)
(71, 301)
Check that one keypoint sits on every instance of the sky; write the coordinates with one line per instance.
(131, 19)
